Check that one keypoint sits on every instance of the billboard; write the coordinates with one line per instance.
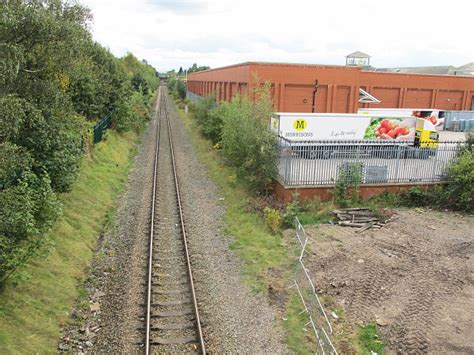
(436, 117)
(343, 127)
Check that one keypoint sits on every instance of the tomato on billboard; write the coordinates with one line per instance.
(395, 128)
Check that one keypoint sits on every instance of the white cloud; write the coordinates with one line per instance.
(170, 34)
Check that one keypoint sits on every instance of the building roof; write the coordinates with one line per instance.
(437, 70)
(358, 54)
(466, 67)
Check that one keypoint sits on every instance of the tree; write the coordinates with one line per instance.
(194, 68)
(53, 77)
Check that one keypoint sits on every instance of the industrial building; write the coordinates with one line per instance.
(342, 89)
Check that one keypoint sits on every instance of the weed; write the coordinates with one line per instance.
(348, 180)
(272, 219)
(292, 210)
(299, 341)
(369, 341)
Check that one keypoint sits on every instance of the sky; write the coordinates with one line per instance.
(172, 34)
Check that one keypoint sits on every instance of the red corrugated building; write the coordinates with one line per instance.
(338, 87)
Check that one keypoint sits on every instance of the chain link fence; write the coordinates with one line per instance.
(370, 162)
(317, 318)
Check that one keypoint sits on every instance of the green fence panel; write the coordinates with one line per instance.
(101, 126)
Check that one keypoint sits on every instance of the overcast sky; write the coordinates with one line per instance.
(170, 34)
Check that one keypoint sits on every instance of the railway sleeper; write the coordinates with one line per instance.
(162, 275)
(170, 284)
(166, 314)
(173, 326)
(170, 303)
(174, 341)
(170, 292)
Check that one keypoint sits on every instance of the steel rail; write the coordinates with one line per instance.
(183, 230)
(163, 106)
(150, 241)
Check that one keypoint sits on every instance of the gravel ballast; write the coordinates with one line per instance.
(233, 318)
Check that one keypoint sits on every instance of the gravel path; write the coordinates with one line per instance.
(233, 319)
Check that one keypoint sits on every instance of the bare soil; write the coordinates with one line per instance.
(414, 278)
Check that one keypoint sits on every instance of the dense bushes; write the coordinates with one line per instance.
(28, 208)
(241, 128)
(177, 88)
(209, 117)
(459, 191)
(456, 193)
(54, 79)
(247, 142)
(131, 113)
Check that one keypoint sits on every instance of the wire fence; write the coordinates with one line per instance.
(370, 162)
(317, 317)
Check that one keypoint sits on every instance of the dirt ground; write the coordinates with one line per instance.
(414, 278)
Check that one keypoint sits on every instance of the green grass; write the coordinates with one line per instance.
(299, 341)
(369, 340)
(259, 249)
(310, 217)
(32, 313)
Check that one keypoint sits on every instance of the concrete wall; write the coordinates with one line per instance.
(338, 91)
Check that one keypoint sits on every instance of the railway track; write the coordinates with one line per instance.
(172, 316)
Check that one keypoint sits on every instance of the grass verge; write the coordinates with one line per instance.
(32, 313)
(300, 338)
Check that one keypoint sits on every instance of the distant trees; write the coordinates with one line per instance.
(53, 79)
(194, 68)
(177, 87)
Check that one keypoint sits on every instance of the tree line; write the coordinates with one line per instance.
(56, 82)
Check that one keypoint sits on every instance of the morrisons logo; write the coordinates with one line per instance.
(299, 124)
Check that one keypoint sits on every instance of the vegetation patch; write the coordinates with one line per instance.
(369, 341)
(299, 337)
(32, 313)
(56, 83)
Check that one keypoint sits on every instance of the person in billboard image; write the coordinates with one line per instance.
(435, 117)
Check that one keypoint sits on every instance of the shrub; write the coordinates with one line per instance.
(131, 114)
(177, 88)
(349, 179)
(272, 219)
(28, 208)
(459, 190)
(415, 197)
(291, 211)
(209, 118)
(248, 144)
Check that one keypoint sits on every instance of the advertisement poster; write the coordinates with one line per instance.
(344, 127)
(392, 128)
(436, 117)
